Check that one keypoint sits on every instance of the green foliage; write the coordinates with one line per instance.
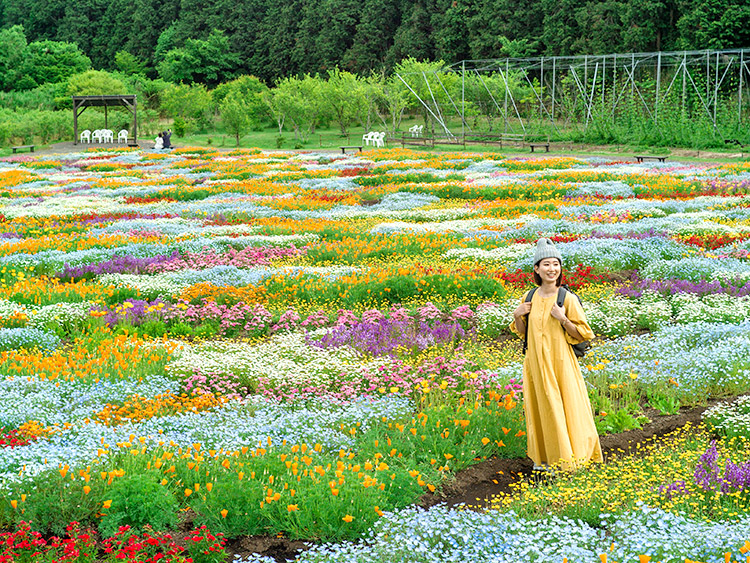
(24, 126)
(207, 330)
(54, 502)
(129, 64)
(345, 95)
(665, 403)
(209, 61)
(122, 294)
(235, 115)
(12, 48)
(619, 421)
(191, 103)
(300, 101)
(139, 500)
(154, 328)
(49, 62)
(91, 83)
(181, 329)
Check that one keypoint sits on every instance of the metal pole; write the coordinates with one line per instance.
(604, 73)
(614, 86)
(739, 103)
(75, 122)
(585, 72)
(658, 85)
(708, 74)
(505, 104)
(716, 88)
(463, 100)
(135, 121)
(632, 75)
(541, 91)
(554, 79)
(684, 82)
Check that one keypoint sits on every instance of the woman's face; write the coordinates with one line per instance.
(548, 269)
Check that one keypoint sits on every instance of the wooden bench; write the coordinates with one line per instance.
(16, 148)
(358, 147)
(641, 158)
(532, 146)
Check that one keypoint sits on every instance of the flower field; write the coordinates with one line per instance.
(304, 345)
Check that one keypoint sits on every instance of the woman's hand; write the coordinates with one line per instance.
(522, 310)
(567, 325)
(558, 313)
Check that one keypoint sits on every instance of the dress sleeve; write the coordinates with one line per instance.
(513, 328)
(574, 312)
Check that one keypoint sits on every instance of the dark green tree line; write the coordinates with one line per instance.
(213, 42)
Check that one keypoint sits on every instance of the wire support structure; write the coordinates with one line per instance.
(518, 95)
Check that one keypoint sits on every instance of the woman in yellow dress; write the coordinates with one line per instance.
(559, 423)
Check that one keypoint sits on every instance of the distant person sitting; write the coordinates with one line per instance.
(158, 143)
(166, 136)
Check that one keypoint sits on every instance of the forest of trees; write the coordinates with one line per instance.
(211, 42)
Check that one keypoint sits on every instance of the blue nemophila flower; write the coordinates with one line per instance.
(27, 337)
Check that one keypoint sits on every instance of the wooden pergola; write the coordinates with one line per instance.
(80, 103)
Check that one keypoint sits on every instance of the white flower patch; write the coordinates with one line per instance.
(222, 241)
(158, 284)
(499, 254)
(495, 318)
(11, 309)
(60, 314)
(458, 226)
(286, 357)
(613, 188)
(732, 418)
(438, 214)
(64, 204)
(717, 308)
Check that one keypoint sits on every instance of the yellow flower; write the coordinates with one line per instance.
(348, 518)
(224, 513)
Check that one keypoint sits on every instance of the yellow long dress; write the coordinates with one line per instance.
(559, 422)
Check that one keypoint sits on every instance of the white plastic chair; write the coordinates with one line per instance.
(379, 139)
(122, 136)
(96, 136)
(420, 128)
(367, 138)
(108, 136)
(86, 136)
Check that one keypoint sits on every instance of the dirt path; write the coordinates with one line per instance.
(476, 485)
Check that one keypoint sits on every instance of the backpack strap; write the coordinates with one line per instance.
(561, 292)
(527, 299)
